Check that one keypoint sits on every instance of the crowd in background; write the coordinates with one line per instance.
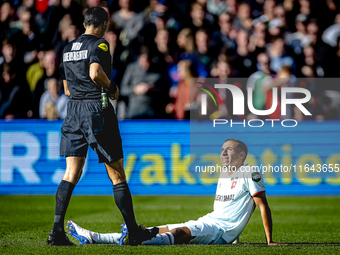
(159, 46)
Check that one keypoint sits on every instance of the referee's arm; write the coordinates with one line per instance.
(66, 91)
(99, 77)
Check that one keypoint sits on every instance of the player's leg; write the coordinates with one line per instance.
(121, 192)
(85, 236)
(74, 167)
(201, 231)
(102, 134)
(181, 235)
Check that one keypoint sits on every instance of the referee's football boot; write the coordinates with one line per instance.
(79, 233)
(142, 235)
(59, 238)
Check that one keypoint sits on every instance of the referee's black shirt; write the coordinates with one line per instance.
(75, 66)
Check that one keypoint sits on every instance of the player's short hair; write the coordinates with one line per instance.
(95, 16)
(241, 146)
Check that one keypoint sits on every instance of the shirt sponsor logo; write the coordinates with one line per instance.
(103, 46)
(75, 55)
(256, 177)
(225, 198)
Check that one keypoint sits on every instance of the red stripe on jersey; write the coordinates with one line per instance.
(168, 237)
(258, 193)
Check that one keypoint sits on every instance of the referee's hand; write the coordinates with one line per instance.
(115, 95)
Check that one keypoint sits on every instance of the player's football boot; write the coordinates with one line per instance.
(59, 238)
(142, 235)
(79, 233)
(236, 241)
(123, 238)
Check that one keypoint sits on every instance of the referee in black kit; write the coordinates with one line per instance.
(91, 120)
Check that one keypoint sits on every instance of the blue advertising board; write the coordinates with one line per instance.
(157, 158)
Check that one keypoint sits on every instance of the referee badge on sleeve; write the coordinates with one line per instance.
(103, 46)
(256, 177)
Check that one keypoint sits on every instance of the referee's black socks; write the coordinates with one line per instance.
(62, 199)
(123, 201)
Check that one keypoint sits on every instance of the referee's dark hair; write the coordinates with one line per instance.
(95, 16)
(241, 146)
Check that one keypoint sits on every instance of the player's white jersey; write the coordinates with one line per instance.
(234, 202)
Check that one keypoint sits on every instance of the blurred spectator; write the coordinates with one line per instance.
(280, 15)
(128, 21)
(24, 30)
(30, 4)
(185, 41)
(243, 20)
(243, 60)
(258, 80)
(50, 71)
(118, 66)
(6, 15)
(74, 9)
(68, 32)
(331, 34)
(268, 12)
(92, 3)
(53, 102)
(314, 34)
(161, 53)
(278, 55)
(332, 61)
(298, 40)
(257, 41)
(153, 9)
(216, 7)
(141, 87)
(291, 9)
(221, 38)
(10, 56)
(35, 71)
(181, 107)
(232, 7)
(203, 52)
(311, 66)
(305, 7)
(283, 78)
(15, 97)
(198, 20)
(224, 72)
(48, 22)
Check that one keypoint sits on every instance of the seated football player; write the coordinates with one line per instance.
(239, 190)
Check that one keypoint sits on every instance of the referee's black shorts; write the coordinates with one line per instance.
(88, 124)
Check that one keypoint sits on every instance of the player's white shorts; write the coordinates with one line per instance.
(206, 230)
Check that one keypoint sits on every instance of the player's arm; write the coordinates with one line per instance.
(261, 202)
(66, 91)
(99, 77)
(63, 76)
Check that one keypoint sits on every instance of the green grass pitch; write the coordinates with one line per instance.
(311, 225)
